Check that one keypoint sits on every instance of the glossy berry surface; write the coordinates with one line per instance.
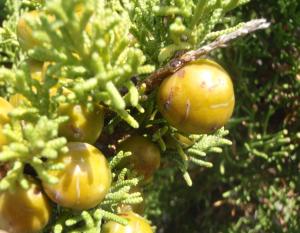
(24, 211)
(85, 179)
(145, 157)
(5, 108)
(198, 98)
(136, 224)
(84, 125)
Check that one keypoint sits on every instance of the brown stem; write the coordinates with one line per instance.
(175, 64)
(4, 168)
(181, 58)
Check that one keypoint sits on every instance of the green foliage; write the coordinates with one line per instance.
(30, 144)
(165, 27)
(254, 186)
(185, 150)
(270, 128)
(96, 51)
(9, 49)
(98, 58)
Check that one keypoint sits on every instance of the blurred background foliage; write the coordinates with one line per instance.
(254, 186)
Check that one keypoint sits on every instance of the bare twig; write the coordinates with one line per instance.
(175, 64)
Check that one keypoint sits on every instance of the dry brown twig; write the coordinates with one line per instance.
(175, 64)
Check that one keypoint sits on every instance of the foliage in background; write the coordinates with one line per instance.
(254, 186)
(91, 60)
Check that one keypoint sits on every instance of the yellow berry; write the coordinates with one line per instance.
(84, 125)
(136, 224)
(85, 179)
(198, 98)
(24, 211)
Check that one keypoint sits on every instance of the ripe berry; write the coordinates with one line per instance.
(85, 179)
(198, 98)
(24, 211)
(145, 157)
